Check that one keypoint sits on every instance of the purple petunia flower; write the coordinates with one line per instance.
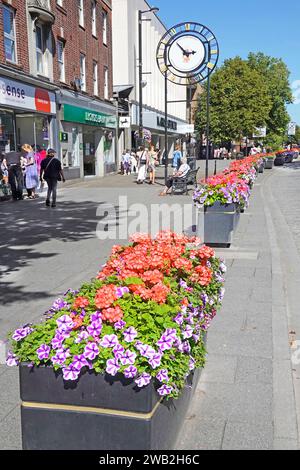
(223, 267)
(97, 316)
(12, 360)
(57, 341)
(91, 351)
(165, 390)
(145, 350)
(186, 347)
(118, 351)
(82, 336)
(179, 319)
(109, 341)
(112, 367)
(80, 362)
(165, 343)
(43, 352)
(70, 373)
(95, 328)
(155, 361)
(60, 358)
(121, 291)
(192, 363)
(130, 372)
(196, 338)
(59, 304)
(64, 323)
(128, 358)
(187, 333)
(143, 380)
(130, 334)
(22, 333)
(120, 325)
(162, 376)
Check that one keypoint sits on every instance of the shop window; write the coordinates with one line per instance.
(9, 33)
(7, 132)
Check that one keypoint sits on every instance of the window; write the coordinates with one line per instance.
(60, 3)
(61, 60)
(94, 18)
(95, 77)
(82, 72)
(40, 49)
(81, 13)
(104, 17)
(106, 85)
(9, 33)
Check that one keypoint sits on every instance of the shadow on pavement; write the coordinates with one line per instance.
(26, 225)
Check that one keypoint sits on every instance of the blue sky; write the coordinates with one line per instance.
(242, 26)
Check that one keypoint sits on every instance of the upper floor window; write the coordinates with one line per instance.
(81, 13)
(94, 18)
(104, 16)
(106, 84)
(61, 60)
(95, 77)
(82, 72)
(60, 3)
(9, 33)
(40, 42)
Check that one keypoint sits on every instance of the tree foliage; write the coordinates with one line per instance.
(246, 94)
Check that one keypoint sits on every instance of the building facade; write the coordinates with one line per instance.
(56, 81)
(125, 73)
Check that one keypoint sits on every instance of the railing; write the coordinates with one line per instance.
(45, 4)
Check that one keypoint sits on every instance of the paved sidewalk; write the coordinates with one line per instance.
(249, 393)
(246, 397)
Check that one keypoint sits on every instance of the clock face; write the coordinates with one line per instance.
(188, 53)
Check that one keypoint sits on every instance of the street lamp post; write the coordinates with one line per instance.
(140, 29)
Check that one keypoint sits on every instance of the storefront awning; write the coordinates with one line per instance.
(122, 91)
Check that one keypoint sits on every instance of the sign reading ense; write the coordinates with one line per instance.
(161, 122)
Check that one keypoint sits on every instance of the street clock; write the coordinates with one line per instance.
(187, 53)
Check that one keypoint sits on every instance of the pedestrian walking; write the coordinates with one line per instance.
(177, 157)
(126, 159)
(15, 174)
(51, 172)
(30, 170)
(134, 162)
(143, 163)
(4, 170)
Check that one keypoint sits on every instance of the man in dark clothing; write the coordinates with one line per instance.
(15, 174)
(51, 172)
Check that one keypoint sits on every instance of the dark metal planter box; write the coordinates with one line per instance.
(219, 224)
(279, 161)
(98, 412)
(269, 164)
(261, 168)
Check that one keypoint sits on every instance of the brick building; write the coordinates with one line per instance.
(56, 81)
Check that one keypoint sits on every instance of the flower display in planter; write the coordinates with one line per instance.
(232, 186)
(145, 316)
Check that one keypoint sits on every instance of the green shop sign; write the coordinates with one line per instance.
(87, 116)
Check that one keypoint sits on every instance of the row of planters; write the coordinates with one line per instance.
(114, 365)
(225, 196)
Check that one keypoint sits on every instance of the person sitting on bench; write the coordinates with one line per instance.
(183, 171)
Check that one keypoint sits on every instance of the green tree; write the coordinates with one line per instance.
(276, 75)
(240, 102)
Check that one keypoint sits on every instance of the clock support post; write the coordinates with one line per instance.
(166, 128)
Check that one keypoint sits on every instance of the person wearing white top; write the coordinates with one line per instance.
(183, 171)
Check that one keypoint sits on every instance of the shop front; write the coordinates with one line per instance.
(27, 115)
(87, 139)
(154, 122)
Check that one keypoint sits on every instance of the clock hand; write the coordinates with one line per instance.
(183, 50)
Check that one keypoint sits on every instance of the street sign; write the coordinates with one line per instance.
(292, 128)
(124, 122)
(260, 132)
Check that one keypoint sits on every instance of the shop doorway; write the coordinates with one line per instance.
(7, 132)
(89, 153)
